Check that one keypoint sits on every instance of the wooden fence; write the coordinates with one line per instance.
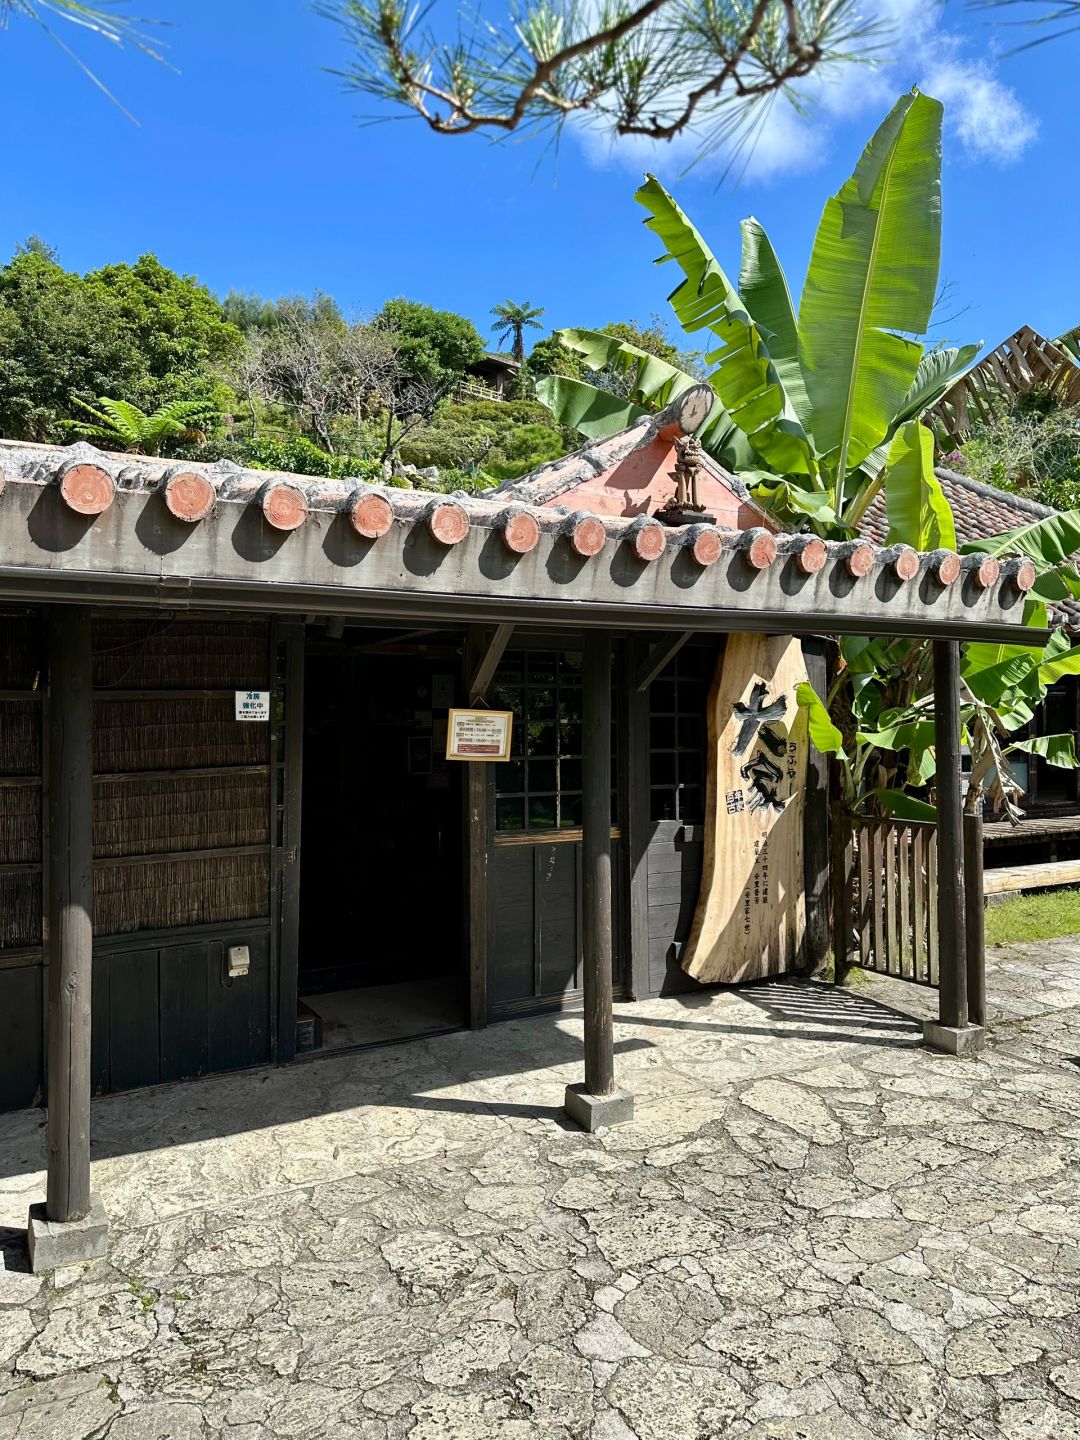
(885, 878)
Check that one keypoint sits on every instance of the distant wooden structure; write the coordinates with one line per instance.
(1018, 365)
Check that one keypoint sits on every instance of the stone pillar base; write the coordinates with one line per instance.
(593, 1111)
(52, 1243)
(953, 1039)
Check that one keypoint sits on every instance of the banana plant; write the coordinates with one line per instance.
(878, 719)
(818, 406)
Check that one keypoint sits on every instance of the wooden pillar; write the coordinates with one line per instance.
(841, 847)
(952, 980)
(596, 864)
(71, 897)
(975, 917)
(483, 649)
(597, 1102)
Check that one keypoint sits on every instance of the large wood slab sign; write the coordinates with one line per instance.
(751, 912)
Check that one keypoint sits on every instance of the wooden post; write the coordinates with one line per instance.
(975, 916)
(476, 849)
(952, 980)
(71, 1226)
(71, 898)
(841, 857)
(292, 637)
(479, 643)
(597, 1102)
(596, 865)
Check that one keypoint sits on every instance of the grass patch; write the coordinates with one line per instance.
(1045, 916)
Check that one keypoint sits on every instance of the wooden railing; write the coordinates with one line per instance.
(885, 882)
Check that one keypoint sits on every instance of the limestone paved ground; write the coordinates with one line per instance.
(813, 1228)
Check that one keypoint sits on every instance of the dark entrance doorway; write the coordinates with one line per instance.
(382, 944)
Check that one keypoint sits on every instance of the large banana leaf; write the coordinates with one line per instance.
(915, 503)
(873, 271)
(764, 290)
(746, 379)
(655, 384)
(1059, 750)
(823, 733)
(937, 371)
(654, 381)
(701, 300)
(596, 413)
(1051, 541)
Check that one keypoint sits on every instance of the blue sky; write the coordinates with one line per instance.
(249, 169)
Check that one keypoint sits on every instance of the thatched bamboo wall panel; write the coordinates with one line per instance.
(182, 892)
(20, 910)
(20, 737)
(153, 817)
(173, 735)
(189, 654)
(20, 824)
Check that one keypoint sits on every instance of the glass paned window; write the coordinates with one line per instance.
(677, 701)
(540, 789)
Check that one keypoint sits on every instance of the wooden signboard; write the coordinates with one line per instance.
(751, 911)
(479, 734)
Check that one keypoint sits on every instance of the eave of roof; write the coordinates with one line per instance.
(220, 537)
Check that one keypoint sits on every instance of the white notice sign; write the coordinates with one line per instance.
(479, 735)
(253, 704)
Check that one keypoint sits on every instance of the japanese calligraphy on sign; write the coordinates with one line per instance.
(751, 916)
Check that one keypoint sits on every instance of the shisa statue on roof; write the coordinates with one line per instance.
(684, 507)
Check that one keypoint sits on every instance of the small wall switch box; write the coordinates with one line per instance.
(239, 962)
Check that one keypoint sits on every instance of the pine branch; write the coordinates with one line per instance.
(657, 70)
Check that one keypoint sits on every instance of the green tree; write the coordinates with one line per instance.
(436, 346)
(496, 440)
(141, 331)
(125, 427)
(513, 320)
(552, 357)
(249, 311)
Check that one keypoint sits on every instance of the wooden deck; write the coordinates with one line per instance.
(1042, 874)
(1031, 832)
(1011, 879)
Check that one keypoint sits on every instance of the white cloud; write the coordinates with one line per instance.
(981, 111)
(988, 115)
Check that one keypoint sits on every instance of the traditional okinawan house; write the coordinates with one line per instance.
(244, 715)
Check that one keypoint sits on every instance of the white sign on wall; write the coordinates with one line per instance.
(479, 735)
(253, 704)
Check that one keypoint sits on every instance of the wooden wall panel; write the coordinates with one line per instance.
(535, 901)
(22, 1050)
(674, 858)
(510, 964)
(134, 1020)
(166, 1011)
(557, 901)
(185, 1009)
(239, 1010)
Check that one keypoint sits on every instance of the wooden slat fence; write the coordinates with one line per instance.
(885, 897)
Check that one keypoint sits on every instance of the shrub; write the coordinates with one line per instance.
(1034, 450)
(299, 456)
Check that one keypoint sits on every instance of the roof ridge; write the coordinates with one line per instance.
(991, 492)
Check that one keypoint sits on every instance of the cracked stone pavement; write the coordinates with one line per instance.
(813, 1228)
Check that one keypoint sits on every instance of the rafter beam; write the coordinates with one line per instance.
(661, 654)
(489, 663)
